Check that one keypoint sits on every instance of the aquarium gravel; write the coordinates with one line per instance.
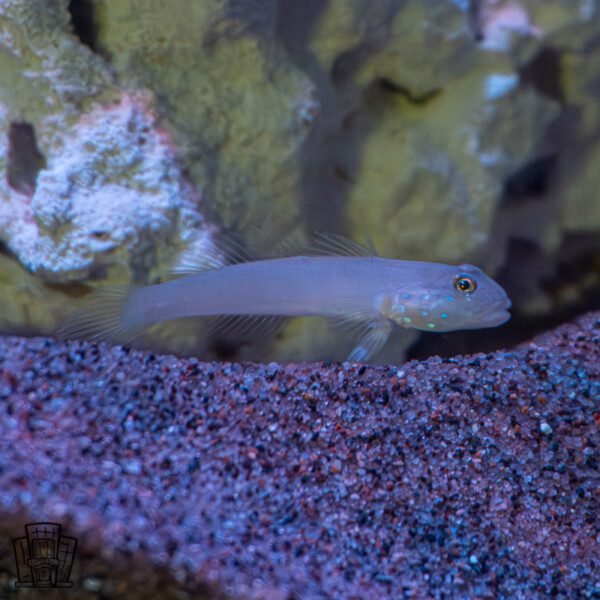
(475, 476)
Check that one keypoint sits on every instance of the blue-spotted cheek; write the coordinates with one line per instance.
(419, 312)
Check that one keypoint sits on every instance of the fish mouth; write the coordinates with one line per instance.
(497, 313)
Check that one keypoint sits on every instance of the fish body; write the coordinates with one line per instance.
(372, 292)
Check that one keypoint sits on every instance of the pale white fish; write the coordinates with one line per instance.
(345, 282)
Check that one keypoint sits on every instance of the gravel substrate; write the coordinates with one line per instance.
(472, 477)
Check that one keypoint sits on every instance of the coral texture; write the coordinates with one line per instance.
(112, 185)
(475, 476)
(91, 187)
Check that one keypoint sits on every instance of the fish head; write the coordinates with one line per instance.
(451, 298)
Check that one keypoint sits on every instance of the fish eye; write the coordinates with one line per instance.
(464, 283)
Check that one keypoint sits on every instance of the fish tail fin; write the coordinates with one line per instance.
(113, 315)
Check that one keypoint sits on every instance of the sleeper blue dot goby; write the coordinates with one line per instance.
(339, 279)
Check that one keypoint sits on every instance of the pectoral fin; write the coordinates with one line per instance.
(374, 336)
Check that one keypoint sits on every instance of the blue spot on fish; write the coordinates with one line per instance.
(444, 315)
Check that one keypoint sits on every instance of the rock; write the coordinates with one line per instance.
(109, 192)
(239, 107)
(92, 183)
(443, 184)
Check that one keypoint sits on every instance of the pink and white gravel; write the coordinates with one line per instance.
(471, 477)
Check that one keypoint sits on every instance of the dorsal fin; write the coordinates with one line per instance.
(229, 250)
(293, 244)
(337, 245)
(190, 262)
(213, 254)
